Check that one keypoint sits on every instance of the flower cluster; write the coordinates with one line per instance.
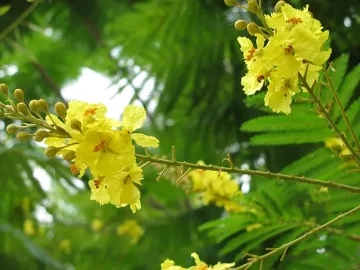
(109, 154)
(132, 229)
(290, 44)
(218, 188)
(170, 265)
(84, 136)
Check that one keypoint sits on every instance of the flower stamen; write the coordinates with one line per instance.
(251, 54)
(294, 20)
(100, 146)
(91, 111)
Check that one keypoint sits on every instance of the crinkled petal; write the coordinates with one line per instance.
(133, 117)
(144, 140)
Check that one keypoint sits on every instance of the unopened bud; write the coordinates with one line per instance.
(21, 107)
(41, 134)
(253, 6)
(231, 3)
(69, 155)
(60, 109)
(253, 29)
(23, 136)
(12, 129)
(4, 89)
(76, 124)
(9, 109)
(33, 106)
(51, 151)
(278, 6)
(240, 25)
(19, 95)
(43, 105)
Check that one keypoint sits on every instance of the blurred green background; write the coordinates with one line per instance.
(181, 61)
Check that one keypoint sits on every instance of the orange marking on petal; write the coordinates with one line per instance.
(91, 111)
(99, 147)
(260, 78)
(289, 50)
(251, 54)
(294, 20)
(97, 183)
(74, 169)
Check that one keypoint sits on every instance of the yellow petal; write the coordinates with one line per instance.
(133, 117)
(144, 140)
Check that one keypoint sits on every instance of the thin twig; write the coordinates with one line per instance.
(328, 118)
(343, 113)
(18, 20)
(279, 176)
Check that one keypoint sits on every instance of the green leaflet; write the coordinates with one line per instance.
(294, 137)
(347, 89)
(284, 122)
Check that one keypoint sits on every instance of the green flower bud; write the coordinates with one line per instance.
(76, 124)
(69, 155)
(253, 6)
(43, 105)
(34, 106)
(19, 95)
(253, 29)
(12, 129)
(231, 3)
(60, 109)
(51, 151)
(4, 89)
(240, 25)
(41, 133)
(21, 107)
(9, 109)
(23, 136)
(278, 6)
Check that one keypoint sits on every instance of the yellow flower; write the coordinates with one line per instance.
(132, 119)
(280, 92)
(131, 228)
(29, 227)
(90, 116)
(106, 152)
(199, 265)
(122, 190)
(99, 190)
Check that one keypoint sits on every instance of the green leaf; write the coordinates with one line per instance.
(339, 67)
(284, 138)
(4, 9)
(283, 122)
(347, 89)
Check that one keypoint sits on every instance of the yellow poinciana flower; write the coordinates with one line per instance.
(199, 265)
(106, 152)
(90, 116)
(132, 119)
(280, 92)
(99, 191)
(131, 228)
(215, 188)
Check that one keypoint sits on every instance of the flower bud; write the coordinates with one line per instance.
(231, 3)
(240, 25)
(76, 124)
(12, 129)
(9, 109)
(69, 155)
(23, 136)
(253, 6)
(33, 106)
(21, 107)
(51, 151)
(43, 105)
(40, 135)
(253, 29)
(278, 6)
(60, 109)
(19, 95)
(4, 89)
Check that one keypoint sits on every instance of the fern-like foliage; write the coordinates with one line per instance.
(285, 211)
